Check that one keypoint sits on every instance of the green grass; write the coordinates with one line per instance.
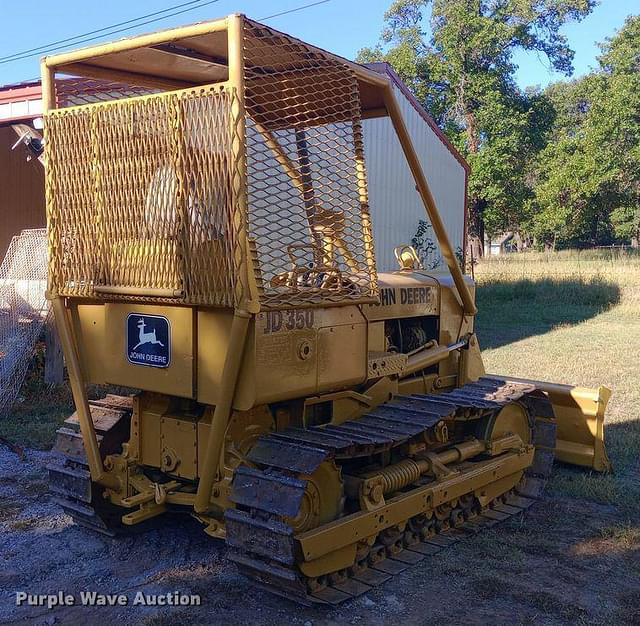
(572, 317)
(41, 408)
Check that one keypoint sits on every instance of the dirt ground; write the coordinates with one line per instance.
(554, 566)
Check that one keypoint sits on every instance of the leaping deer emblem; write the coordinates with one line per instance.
(146, 337)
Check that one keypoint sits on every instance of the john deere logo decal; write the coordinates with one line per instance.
(148, 340)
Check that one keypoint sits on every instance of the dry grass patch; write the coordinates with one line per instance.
(572, 317)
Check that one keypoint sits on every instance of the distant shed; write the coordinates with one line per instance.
(397, 212)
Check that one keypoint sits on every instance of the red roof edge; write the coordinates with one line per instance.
(385, 68)
(20, 92)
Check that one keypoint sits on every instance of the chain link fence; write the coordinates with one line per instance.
(23, 309)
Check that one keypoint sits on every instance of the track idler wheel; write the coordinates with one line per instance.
(323, 500)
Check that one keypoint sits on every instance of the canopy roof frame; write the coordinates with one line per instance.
(376, 91)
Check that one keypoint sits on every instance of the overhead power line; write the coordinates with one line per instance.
(109, 30)
(106, 34)
(306, 6)
(99, 30)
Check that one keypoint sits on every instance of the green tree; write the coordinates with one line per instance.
(462, 70)
(587, 187)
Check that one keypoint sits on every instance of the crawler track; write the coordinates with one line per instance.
(69, 477)
(270, 492)
(265, 547)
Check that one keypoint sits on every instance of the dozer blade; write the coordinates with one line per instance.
(580, 422)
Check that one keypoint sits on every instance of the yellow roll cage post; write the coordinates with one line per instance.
(107, 62)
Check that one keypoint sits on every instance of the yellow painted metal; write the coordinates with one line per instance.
(510, 420)
(214, 330)
(176, 235)
(147, 415)
(264, 337)
(190, 36)
(580, 422)
(363, 192)
(177, 379)
(179, 446)
(69, 346)
(352, 528)
(233, 362)
(418, 384)
(243, 430)
(333, 561)
(580, 438)
(140, 99)
(89, 331)
(429, 202)
(48, 88)
(238, 132)
(395, 477)
(405, 294)
(78, 388)
(58, 61)
(323, 499)
(453, 324)
(274, 365)
(179, 159)
(430, 356)
(470, 365)
(290, 353)
(145, 292)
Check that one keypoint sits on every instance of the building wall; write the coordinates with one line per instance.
(396, 207)
(21, 190)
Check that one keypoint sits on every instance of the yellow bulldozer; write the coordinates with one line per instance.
(210, 248)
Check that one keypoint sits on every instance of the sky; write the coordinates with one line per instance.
(341, 26)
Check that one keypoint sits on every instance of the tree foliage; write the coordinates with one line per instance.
(461, 67)
(587, 188)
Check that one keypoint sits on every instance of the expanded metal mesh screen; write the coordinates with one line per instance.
(308, 206)
(75, 91)
(139, 198)
(170, 196)
(23, 309)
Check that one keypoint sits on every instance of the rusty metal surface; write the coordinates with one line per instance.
(264, 546)
(268, 538)
(69, 477)
(69, 481)
(293, 457)
(284, 493)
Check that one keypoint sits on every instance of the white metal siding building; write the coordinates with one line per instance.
(397, 212)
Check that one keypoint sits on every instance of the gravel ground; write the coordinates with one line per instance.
(559, 565)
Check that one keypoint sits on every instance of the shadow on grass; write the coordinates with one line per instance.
(509, 311)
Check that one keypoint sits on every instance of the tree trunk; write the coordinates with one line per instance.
(475, 224)
(473, 138)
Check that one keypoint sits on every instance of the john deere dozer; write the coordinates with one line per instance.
(210, 247)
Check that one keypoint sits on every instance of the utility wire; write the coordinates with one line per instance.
(306, 6)
(78, 39)
(99, 30)
(113, 32)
